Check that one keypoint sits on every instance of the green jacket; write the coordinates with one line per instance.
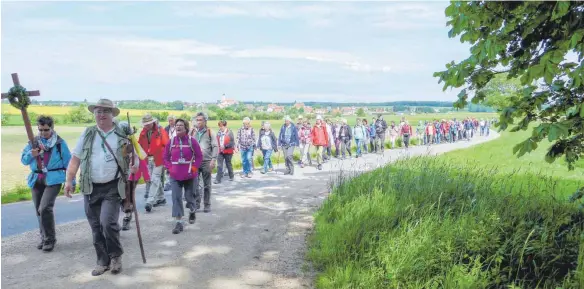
(85, 183)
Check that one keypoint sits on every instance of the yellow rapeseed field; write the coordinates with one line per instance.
(62, 110)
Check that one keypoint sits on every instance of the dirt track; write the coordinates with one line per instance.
(253, 238)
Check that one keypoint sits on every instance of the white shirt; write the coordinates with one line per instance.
(101, 171)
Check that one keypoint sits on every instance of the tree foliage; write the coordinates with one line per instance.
(500, 91)
(361, 112)
(541, 44)
(79, 115)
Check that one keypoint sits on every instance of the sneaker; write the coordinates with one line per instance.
(216, 182)
(271, 170)
(160, 203)
(263, 172)
(40, 245)
(231, 179)
(167, 187)
(99, 270)
(146, 196)
(148, 207)
(207, 209)
(48, 246)
(177, 228)
(248, 176)
(116, 265)
(126, 224)
(320, 167)
(192, 217)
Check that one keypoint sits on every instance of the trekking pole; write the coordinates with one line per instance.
(133, 192)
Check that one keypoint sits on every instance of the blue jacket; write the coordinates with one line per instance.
(293, 138)
(56, 167)
(372, 130)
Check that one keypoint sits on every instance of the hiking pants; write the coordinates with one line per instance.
(319, 153)
(156, 192)
(205, 172)
(406, 139)
(372, 145)
(177, 188)
(43, 198)
(380, 141)
(337, 147)
(102, 208)
(289, 157)
(305, 153)
(346, 147)
(224, 158)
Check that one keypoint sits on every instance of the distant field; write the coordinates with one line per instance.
(14, 137)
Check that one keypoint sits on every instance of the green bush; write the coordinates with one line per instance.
(425, 223)
(80, 115)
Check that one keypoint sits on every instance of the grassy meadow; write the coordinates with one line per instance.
(473, 218)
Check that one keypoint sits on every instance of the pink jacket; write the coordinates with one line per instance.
(183, 171)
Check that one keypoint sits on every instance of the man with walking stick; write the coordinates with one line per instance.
(102, 156)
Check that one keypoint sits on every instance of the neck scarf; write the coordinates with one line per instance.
(47, 144)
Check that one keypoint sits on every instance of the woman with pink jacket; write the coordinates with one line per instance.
(182, 159)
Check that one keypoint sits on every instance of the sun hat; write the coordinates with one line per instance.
(148, 119)
(105, 103)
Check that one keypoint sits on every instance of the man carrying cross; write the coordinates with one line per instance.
(102, 156)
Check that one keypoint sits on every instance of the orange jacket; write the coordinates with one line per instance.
(157, 143)
(319, 136)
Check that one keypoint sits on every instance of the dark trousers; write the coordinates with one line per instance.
(43, 198)
(205, 175)
(177, 196)
(102, 208)
(289, 157)
(227, 159)
(406, 139)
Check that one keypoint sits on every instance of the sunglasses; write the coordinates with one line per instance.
(44, 129)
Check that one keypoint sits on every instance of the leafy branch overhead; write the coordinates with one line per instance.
(539, 44)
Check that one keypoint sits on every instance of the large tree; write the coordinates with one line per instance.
(541, 44)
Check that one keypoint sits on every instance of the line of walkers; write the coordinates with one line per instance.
(179, 158)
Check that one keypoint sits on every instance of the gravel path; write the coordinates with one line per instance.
(253, 238)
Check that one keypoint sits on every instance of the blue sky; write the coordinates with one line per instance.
(196, 51)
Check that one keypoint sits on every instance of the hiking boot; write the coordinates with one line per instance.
(146, 196)
(320, 167)
(231, 179)
(99, 270)
(160, 203)
(126, 224)
(48, 246)
(287, 173)
(148, 208)
(40, 245)
(192, 217)
(177, 228)
(216, 182)
(116, 265)
(207, 209)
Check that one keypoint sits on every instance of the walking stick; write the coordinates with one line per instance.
(133, 192)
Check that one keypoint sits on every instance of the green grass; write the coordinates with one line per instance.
(429, 223)
(472, 218)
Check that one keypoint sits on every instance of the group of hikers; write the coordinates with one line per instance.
(181, 155)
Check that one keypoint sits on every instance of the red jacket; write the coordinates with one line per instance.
(158, 142)
(319, 136)
(228, 143)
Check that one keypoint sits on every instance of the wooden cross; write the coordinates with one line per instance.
(23, 111)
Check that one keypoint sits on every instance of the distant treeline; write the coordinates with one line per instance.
(372, 104)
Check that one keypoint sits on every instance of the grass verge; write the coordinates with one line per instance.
(429, 223)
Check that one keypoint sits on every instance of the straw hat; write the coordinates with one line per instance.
(105, 103)
(148, 119)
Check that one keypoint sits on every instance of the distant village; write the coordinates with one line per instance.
(337, 109)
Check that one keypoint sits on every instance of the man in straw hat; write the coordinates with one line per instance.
(102, 155)
(153, 140)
